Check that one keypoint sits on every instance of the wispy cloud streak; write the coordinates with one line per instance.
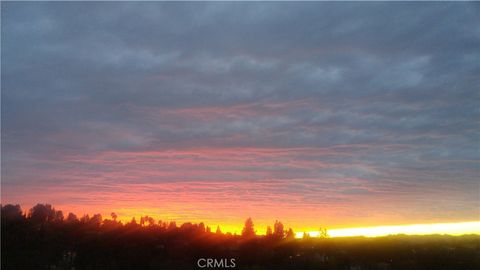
(332, 113)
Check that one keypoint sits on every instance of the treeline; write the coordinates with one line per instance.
(43, 214)
(44, 239)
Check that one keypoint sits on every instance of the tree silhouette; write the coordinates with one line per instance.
(133, 222)
(72, 218)
(12, 212)
(278, 231)
(323, 232)
(248, 230)
(201, 227)
(41, 213)
(96, 220)
(269, 231)
(290, 234)
(151, 221)
(172, 225)
(85, 219)
(59, 216)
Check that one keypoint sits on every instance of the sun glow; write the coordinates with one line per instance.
(460, 228)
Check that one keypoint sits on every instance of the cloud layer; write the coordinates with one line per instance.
(361, 113)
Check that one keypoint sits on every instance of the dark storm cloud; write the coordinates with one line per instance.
(394, 85)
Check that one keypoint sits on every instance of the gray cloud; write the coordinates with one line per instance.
(392, 88)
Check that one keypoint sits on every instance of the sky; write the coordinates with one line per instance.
(315, 114)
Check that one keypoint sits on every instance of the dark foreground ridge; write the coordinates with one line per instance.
(44, 239)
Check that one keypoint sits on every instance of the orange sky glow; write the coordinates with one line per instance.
(316, 116)
(124, 185)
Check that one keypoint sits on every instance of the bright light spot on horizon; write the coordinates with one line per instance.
(459, 228)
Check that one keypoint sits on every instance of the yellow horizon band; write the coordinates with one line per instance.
(458, 228)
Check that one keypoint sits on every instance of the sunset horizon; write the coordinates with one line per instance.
(470, 227)
(358, 118)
